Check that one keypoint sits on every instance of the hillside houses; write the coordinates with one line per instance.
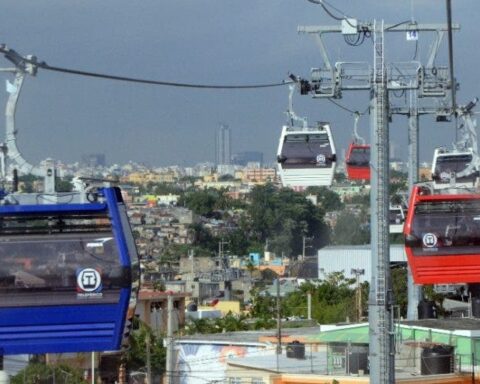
(157, 227)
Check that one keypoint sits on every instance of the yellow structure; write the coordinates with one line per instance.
(259, 175)
(228, 306)
(278, 269)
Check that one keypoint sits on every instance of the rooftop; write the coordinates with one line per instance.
(313, 363)
(246, 336)
(450, 324)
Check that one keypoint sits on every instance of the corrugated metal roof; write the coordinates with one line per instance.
(347, 257)
(358, 333)
(246, 336)
(315, 362)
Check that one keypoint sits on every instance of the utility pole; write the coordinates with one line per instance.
(303, 248)
(279, 319)
(224, 268)
(309, 305)
(93, 368)
(358, 291)
(279, 327)
(169, 341)
(191, 254)
(148, 344)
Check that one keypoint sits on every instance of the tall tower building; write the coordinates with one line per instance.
(223, 146)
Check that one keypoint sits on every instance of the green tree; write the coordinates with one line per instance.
(198, 326)
(203, 239)
(361, 199)
(165, 189)
(205, 202)
(238, 241)
(232, 323)
(226, 178)
(200, 202)
(136, 356)
(63, 185)
(349, 230)
(340, 177)
(399, 286)
(28, 181)
(333, 300)
(326, 198)
(284, 217)
(35, 373)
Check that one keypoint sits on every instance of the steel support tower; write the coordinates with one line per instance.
(380, 297)
(426, 82)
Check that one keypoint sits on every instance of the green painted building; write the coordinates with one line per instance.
(411, 338)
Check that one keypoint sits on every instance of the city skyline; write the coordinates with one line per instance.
(201, 42)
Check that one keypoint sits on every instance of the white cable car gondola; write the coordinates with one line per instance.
(396, 218)
(306, 155)
(453, 167)
(460, 166)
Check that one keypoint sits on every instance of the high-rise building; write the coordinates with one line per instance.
(94, 160)
(223, 147)
(243, 158)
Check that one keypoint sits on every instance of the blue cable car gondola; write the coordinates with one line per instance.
(68, 275)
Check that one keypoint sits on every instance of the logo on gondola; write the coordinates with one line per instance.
(321, 159)
(445, 176)
(430, 240)
(89, 283)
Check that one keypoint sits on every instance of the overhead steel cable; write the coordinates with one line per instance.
(78, 72)
(399, 24)
(344, 17)
(320, 2)
(158, 82)
(346, 109)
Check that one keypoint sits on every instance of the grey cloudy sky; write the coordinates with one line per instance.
(199, 41)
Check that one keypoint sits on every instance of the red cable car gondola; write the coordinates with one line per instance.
(358, 162)
(442, 235)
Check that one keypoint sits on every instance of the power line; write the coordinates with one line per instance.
(77, 72)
